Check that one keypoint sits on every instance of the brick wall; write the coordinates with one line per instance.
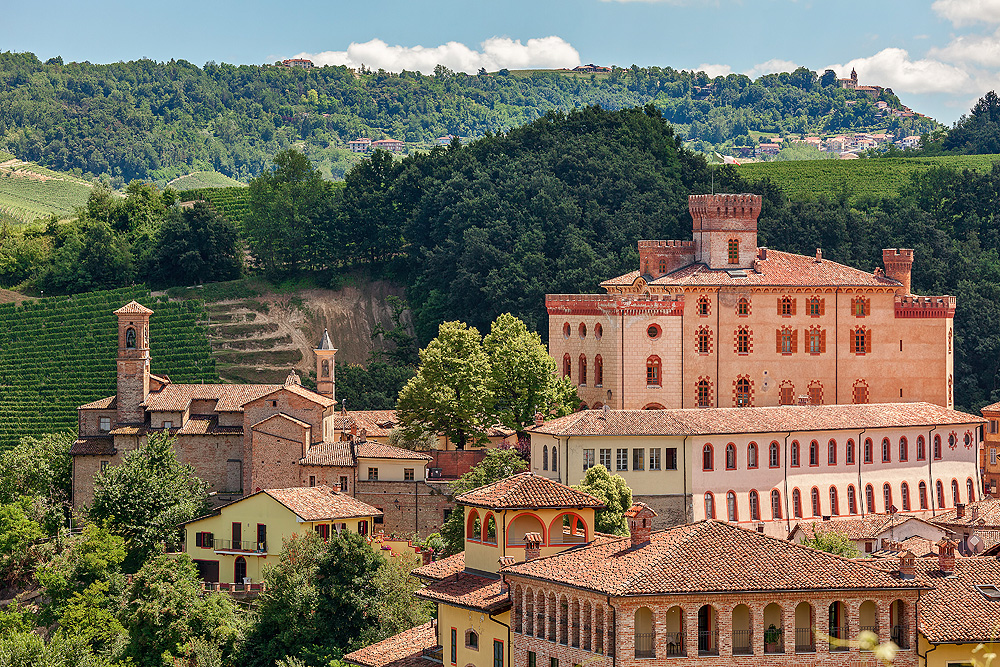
(409, 507)
(215, 458)
(274, 453)
(454, 464)
(671, 510)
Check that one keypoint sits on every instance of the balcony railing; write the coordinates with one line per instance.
(839, 637)
(708, 642)
(675, 643)
(901, 636)
(249, 546)
(742, 642)
(805, 641)
(869, 628)
(774, 640)
(645, 644)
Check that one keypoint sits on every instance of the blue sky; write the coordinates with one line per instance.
(939, 56)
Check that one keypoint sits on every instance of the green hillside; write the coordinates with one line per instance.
(203, 179)
(232, 202)
(882, 177)
(58, 353)
(29, 191)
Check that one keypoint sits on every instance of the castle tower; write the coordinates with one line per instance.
(325, 368)
(133, 362)
(898, 263)
(725, 229)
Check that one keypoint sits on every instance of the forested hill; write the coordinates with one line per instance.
(153, 120)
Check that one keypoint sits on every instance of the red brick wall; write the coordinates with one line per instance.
(420, 508)
(262, 408)
(454, 464)
(274, 455)
(89, 421)
(210, 456)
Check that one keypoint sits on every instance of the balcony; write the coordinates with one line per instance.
(645, 645)
(805, 641)
(742, 642)
(839, 639)
(774, 641)
(243, 546)
(434, 653)
(901, 636)
(708, 642)
(675, 644)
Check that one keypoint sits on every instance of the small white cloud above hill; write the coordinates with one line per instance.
(893, 68)
(770, 67)
(983, 50)
(965, 12)
(496, 53)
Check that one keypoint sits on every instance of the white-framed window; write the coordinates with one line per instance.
(622, 459)
(588, 459)
(606, 458)
(104, 424)
(993, 456)
(654, 458)
(168, 424)
(639, 459)
(407, 474)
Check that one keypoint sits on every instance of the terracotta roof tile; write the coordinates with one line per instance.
(441, 569)
(866, 527)
(527, 490)
(299, 390)
(336, 453)
(133, 308)
(321, 503)
(375, 450)
(921, 547)
(109, 403)
(985, 512)
(230, 397)
(707, 556)
(93, 447)
(402, 650)
(775, 419)
(468, 590)
(208, 425)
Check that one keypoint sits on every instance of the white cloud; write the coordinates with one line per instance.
(770, 67)
(980, 49)
(965, 12)
(497, 53)
(714, 70)
(894, 69)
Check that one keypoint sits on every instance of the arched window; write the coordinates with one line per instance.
(473, 529)
(852, 500)
(794, 456)
(940, 494)
(970, 491)
(583, 330)
(653, 371)
(817, 510)
(743, 306)
(862, 342)
(704, 341)
(566, 330)
(567, 366)
(870, 498)
(743, 340)
(754, 506)
(814, 453)
(704, 306)
(545, 457)
(325, 368)
(860, 392)
(583, 369)
(555, 459)
(904, 496)
(937, 447)
(904, 449)
(730, 456)
(869, 455)
(773, 455)
(815, 306)
(921, 449)
(130, 342)
(707, 457)
(775, 504)
(742, 393)
(731, 513)
(786, 307)
(239, 570)
(752, 455)
(922, 495)
(598, 331)
(598, 371)
(886, 450)
(796, 504)
(887, 495)
(734, 251)
(704, 397)
(831, 453)
(956, 498)
(849, 453)
(472, 639)
(834, 502)
(709, 505)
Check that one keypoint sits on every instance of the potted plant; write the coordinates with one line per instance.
(771, 638)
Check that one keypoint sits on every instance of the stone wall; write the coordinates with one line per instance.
(409, 507)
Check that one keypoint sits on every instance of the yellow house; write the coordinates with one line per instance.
(234, 542)
(518, 518)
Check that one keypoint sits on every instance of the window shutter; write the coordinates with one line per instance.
(197, 539)
(868, 342)
(794, 301)
(822, 341)
(779, 306)
(795, 337)
(822, 307)
(777, 344)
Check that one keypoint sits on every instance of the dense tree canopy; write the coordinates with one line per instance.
(614, 493)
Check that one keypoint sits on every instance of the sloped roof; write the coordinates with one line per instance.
(133, 308)
(468, 590)
(986, 511)
(208, 425)
(772, 419)
(108, 403)
(336, 453)
(321, 503)
(441, 569)
(230, 397)
(376, 423)
(865, 527)
(527, 490)
(370, 449)
(94, 446)
(299, 390)
(402, 650)
(326, 343)
(282, 415)
(707, 556)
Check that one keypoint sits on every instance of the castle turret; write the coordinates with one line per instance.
(725, 229)
(658, 258)
(133, 362)
(898, 263)
(325, 369)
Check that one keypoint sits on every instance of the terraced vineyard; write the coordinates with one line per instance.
(805, 179)
(203, 179)
(233, 203)
(58, 353)
(29, 192)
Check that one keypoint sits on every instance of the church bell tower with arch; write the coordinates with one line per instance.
(133, 362)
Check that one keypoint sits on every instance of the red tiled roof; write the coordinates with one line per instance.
(109, 403)
(441, 569)
(208, 425)
(471, 591)
(402, 650)
(298, 390)
(282, 415)
(376, 450)
(707, 556)
(986, 511)
(93, 447)
(780, 268)
(866, 527)
(527, 490)
(774, 419)
(329, 454)
(921, 547)
(230, 397)
(377, 423)
(133, 308)
(321, 503)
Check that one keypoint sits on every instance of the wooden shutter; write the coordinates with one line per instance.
(794, 301)
(822, 307)
(198, 539)
(822, 341)
(779, 306)
(795, 339)
(868, 341)
(777, 337)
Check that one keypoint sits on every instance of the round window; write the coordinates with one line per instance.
(653, 331)
(598, 331)
(583, 330)
(566, 330)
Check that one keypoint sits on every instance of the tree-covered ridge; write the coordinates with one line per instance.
(153, 120)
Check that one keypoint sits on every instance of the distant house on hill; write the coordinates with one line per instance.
(768, 149)
(298, 62)
(362, 145)
(590, 68)
(393, 145)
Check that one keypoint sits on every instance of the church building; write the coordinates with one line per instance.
(694, 325)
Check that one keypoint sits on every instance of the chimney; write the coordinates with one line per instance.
(640, 523)
(539, 419)
(354, 429)
(506, 561)
(426, 555)
(946, 556)
(898, 263)
(819, 255)
(959, 510)
(975, 512)
(364, 435)
(532, 546)
(907, 566)
(762, 253)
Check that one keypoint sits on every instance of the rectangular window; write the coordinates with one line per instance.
(104, 424)
(670, 459)
(323, 530)
(588, 459)
(553, 662)
(993, 426)
(814, 347)
(454, 646)
(622, 459)
(261, 537)
(654, 458)
(606, 458)
(343, 484)
(373, 474)
(198, 539)
(237, 534)
(993, 456)
(312, 480)
(497, 653)
(168, 424)
(638, 459)
(408, 474)
(532, 659)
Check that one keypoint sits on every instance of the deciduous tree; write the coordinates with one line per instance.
(614, 493)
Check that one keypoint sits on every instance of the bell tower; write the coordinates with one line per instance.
(133, 362)
(326, 384)
(725, 229)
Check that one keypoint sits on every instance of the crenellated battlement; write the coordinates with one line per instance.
(614, 304)
(722, 207)
(898, 263)
(658, 258)
(925, 306)
(680, 245)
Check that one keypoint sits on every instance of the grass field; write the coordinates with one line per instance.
(29, 191)
(809, 179)
(203, 179)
